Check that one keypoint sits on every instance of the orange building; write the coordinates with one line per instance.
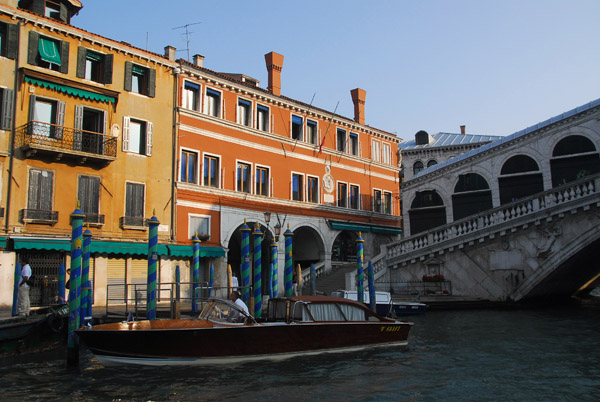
(243, 150)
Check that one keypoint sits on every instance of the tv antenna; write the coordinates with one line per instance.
(187, 34)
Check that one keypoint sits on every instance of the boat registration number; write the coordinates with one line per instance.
(390, 329)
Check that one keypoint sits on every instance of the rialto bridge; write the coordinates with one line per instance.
(518, 218)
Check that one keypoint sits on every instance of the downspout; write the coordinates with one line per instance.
(176, 72)
(12, 132)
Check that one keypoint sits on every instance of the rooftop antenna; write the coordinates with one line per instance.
(187, 36)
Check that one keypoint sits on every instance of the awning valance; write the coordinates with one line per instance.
(188, 251)
(42, 244)
(80, 93)
(363, 227)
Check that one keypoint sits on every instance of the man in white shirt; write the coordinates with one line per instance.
(235, 297)
(24, 288)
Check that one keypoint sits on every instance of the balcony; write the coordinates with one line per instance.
(133, 222)
(38, 216)
(48, 139)
(93, 220)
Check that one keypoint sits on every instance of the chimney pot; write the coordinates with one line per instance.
(274, 63)
(199, 60)
(463, 129)
(170, 52)
(358, 98)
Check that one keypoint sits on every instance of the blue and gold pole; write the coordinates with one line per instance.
(75, 288)
(85, 310)
(274, 268)
(245, 262)
(288, 271)
(372, 296)
(61, 284)
(195, 272)
(152, 263)
(359, 268)
(15, 306)
(257, 271)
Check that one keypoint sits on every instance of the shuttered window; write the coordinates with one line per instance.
(8, 40)
(134, 202)
(40, 190)
(89, 194)
(6, 110)
(48, 52)
(137, 136)
(140, 79)
(94, 66)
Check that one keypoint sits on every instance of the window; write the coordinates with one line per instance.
(244, 112)
(244, 173)
(8, 40)
(211, 171)
(213, 102)
(262, 181)
(375, 151)
(353, 143)
(342, 194)
(88, 194)
(354, 197)
(262, 117)
(191, 96)
(313, 189)
(189, 167)
(387, 202)
(52, 9)
(134, 204)
(40, 192)
(341, 140)
(139, 79)
(90, 127)
(48, 52)
(377, 201)
(47, 117)
(94, 66)
(297, 128)
(6, 108)
(385, 153)
(137, 136)
(200, 225)
(311, 132)
(297, 187)
(417, 167)
(431, 163)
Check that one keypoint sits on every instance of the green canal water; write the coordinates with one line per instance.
(475, 355)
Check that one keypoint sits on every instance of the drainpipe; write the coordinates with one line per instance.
(12, 132)
(176, 72)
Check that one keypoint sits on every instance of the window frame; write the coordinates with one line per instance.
(260, 109)
(6, 108)
(257, 170)
(208, 219)
(344, 144)
(350, 203)
(315, 124)
(376, 150)
(196, 90)
(312, 197)
(105, 65)
(297, 127)
(342, 201)
(42, 190)
(149, 82)
(353, 144)
(217, 176)
(126, 140)
(88, 193)
(33, 53)
(196, 165)
(374, 206)
(8, 40)
(136, 185)
(211, 94)
(387, 207)
(244, 103)
(300, 192)
(386, 152)
(240, 184)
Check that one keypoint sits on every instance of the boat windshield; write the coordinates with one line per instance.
(221, 311)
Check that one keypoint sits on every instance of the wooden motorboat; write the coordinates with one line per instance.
(223, 333)
(384, 305)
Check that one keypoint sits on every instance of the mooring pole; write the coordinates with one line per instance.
(75, 288)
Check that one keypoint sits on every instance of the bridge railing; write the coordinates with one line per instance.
(514, 211)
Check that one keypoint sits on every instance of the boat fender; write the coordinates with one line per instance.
(55, 322)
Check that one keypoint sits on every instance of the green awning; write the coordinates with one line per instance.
(188, 251)
(361, 227)
(80, 93)
(42, 244)
(113, 247)
(49, 51)
(3, 241)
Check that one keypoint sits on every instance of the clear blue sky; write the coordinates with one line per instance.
(495, 66)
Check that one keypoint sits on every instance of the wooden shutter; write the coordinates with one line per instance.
(38, 6)
(64, 57)
(12, 44)
(151, 82)
(64, 13)
(77, 135)
(94, 195)
(126, 121)
(81, 55)
(139, 200)
(7, 109)
(33, 193)
(128, 72)
(83, 193)
(108, 68)
(46, 181)
(32, 51)
(32, 99)
(149, 130)
(60, 120)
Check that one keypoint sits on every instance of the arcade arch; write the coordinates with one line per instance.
(573, 157)
(426, 211)
(520, 177)
(472, 194)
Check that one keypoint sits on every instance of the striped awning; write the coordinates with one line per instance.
(80, 93)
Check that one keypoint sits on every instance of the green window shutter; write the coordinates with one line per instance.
(151, 82)
(12, 34)
(64, 57)
(81, 55)
(7, 109)
(38, 6)
(33, 50)
(31, 106)
(64, 13)
(128, 71)
(108, 68)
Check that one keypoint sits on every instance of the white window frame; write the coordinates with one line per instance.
(184, 97)
(269, 179)
(220, 159)
(198, 163)
(259, 106)
(376, 150)
(302, 134)
(303, 175)
(337, 193)
(201, 216)
(373, 202)
(251, 180)
(316, 124)
(207, 102)
(358, 196)
(126, 146)
(309, 176)
(357, 151)
(383, 194)
(386, 152)
(250, 112)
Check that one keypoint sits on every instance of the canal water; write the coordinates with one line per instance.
(474, 355)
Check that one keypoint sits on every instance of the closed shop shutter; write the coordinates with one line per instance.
(139, 274)
(115, 279)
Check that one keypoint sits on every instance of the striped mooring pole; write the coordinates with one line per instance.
(211, 279)
(360, 291)
(257, 271)
(75, 286)
(85, 310)
(152, 263)
(245, 262)
(195, 272)
(274, 269)
(372, 296)
(177, 283)
(15, 306)
(288, 271)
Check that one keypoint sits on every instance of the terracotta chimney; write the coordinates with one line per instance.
(463, 129)
(358, 98)
(170, 53)
(274, 64)
(199, 60)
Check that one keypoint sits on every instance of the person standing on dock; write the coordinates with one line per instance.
(24, 288)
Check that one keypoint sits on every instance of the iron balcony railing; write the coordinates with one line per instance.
(38, 135)
(39, 216)
(132, 221)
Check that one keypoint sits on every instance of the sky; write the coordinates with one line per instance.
(434, 65)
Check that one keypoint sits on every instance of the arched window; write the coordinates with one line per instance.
(422, 138)
(472, 194)
(574, 157)
(417, 167)
(426, 212)
(519, 177)
(431, 163)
